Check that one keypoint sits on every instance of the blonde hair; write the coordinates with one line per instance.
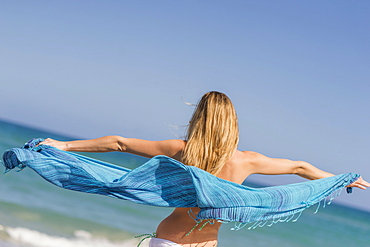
(213, 133)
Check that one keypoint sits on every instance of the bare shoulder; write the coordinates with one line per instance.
(174, 144)
(177, 143)
(176, 147)
(250, 154)
(240, 166)
(251, 157)
(253, 160)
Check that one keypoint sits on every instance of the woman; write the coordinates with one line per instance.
(211, 144)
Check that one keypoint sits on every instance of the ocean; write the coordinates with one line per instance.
(35, 213)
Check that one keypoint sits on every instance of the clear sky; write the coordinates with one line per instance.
(297, 72)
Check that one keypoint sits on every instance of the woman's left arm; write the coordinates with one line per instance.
(102, 144)
(146, 148)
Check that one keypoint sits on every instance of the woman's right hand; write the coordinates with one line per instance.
(54, 143)
(360, 183)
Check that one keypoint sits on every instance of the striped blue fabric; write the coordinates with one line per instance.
(165, 182)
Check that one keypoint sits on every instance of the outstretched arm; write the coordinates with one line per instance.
(171, 148)
(272, 166)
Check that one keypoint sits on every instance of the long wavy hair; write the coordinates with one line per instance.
(213, 133)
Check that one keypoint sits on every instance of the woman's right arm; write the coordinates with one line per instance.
(273, 166)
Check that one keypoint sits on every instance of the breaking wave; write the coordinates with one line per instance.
(19, 236)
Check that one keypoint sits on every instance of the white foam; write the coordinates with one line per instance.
(81, 239)
(82, 234)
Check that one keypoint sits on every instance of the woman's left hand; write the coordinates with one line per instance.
(54, 143)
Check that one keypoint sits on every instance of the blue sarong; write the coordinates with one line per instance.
(165, 182)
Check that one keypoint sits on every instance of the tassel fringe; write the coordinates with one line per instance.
(326, 201)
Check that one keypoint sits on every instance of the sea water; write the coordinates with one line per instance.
(34, 212)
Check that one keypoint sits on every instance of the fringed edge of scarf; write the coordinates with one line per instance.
(12, 162)
(10, 159)
(271, 220)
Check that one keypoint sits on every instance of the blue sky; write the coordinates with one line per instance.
(297, 72)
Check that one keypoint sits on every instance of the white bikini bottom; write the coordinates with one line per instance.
(159, 242)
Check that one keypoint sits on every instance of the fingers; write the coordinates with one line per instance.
(41, 143)
(363, 182)
(360, 183)
(47, 141)
(360, 186)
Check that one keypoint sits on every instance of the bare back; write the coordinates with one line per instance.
(178, 224)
